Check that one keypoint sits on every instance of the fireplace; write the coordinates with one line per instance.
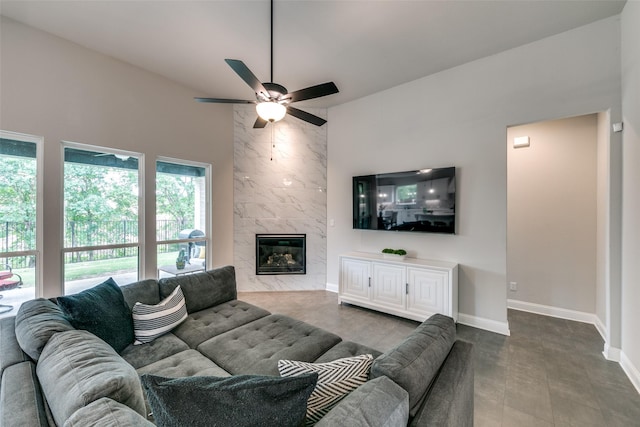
(281, 253)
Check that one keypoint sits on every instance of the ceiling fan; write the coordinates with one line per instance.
(272, 99)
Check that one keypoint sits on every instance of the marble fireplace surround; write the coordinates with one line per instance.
(279, 189)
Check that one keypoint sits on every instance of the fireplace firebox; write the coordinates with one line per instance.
(281, 254)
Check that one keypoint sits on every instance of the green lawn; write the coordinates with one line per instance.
(89, 269)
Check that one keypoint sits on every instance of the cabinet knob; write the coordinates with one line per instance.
(406, 288)
(369, 281)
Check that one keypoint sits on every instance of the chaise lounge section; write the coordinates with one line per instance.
(54, 374)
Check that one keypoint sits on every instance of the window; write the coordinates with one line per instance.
(406, 194)
(182, 215)
(101, 217)
(20, 220)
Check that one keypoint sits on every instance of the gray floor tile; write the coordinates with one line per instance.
(549, 372)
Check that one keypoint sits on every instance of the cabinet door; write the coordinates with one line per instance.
(388, 285)
(428, 292)
(354, 278)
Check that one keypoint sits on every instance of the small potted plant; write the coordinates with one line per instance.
(395, 254)
(181, 260)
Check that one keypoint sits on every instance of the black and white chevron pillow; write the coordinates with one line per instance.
(151, 321)
(335, 380)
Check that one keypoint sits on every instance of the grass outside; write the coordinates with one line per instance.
(89, 269)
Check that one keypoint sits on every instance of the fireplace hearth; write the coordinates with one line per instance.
(281, 254)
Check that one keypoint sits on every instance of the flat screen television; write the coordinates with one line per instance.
(421, 200)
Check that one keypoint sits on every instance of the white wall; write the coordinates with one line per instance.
(459, 117)
(61, 91)
(282, 190)
(602, 235)
(552, 213)
(630, 359)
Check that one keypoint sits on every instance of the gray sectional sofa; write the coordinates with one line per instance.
(54, 374)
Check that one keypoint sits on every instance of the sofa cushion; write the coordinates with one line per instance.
(378, 403)
(11, 352)
(256, 347)
(106, 412)
(203, 290)
(213, 321)
(346, 349)
(236, 401)
(152, 321)
(21, 402)
(335, 380)
(77, 368)
(102, 311)
(415, 362)
(188, 363)
(37, 320)
(145, 291)
(158, 349)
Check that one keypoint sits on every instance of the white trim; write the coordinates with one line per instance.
(631, 371)
(546, 310)
(611, 353)
(486, 324)
(39, 141)
(601, 328)
(208, 256)
(332, 287)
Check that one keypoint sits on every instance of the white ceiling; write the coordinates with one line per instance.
(363, 46)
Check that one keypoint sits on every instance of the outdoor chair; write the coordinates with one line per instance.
(8, 280)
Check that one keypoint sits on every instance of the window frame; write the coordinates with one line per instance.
(208, 211)
(37, 252)
(141, 208)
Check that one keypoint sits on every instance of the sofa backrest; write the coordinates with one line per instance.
(36, 322)
(145, 291)
(77, 368)
(203, 290)
(414, 363)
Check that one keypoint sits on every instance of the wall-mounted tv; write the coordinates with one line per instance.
(422, 200)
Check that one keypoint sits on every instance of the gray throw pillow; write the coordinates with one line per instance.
(102, 311)
(238, 401)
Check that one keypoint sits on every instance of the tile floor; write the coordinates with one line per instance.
(549, 372)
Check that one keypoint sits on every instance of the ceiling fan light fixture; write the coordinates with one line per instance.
(271, 111)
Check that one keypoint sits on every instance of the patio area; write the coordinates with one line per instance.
(15, 297)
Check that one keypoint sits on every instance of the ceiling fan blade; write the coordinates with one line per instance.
(260, 123)
(317, 91)
(225, 101)
(307, 117)
(245, 74)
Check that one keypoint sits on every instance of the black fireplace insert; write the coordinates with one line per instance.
(281, 254)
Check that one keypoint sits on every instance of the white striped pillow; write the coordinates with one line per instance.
(335, 380)
(151, 321)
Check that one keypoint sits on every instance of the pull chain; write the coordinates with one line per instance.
(273, 144)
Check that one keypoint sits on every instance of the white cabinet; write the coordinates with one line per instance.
(388, 283)
(356, 276)
(411, 288)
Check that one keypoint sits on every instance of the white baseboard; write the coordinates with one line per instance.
(611, 353)
(631, 371)
(331, 287)
(547, 310)
(486, 324)
(601, 329)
